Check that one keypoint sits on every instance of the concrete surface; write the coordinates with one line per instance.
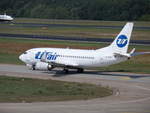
(132, 92)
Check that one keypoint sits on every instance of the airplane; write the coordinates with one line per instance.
(65, 58)
(5, 18)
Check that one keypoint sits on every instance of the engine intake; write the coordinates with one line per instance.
(40, 66)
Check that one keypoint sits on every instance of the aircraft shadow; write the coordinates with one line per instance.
(60, 73)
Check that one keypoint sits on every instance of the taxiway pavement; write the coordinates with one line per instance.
(66, 38)
(132, 92)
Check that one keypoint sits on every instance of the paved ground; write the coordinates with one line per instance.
(132, 92)
(66, 38)
(70, 26)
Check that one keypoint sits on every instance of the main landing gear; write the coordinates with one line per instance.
(79, 70)
(33, 67)
(65, 70)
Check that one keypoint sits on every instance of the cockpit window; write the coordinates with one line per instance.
(25, 53)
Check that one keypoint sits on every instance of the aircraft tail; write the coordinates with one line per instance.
(121, 42)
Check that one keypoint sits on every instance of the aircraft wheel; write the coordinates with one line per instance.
(80, 70)
(33, 67)
(66, 71)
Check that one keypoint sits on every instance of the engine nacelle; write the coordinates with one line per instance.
(42, 66)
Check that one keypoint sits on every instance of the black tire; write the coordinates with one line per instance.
(66, 71)
(33, 67)
(80, 70)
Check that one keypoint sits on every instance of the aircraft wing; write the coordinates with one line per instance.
(58, 63)
(139, 53)
(132, 53)
(63, 64)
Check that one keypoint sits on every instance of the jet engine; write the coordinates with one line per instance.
(40, 66)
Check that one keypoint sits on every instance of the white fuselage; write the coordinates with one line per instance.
(82, 58)
(5, 18)
(48, 58)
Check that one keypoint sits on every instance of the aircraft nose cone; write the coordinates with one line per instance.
(25, 58)
(21, 58)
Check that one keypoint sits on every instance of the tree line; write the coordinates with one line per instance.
(78, 9)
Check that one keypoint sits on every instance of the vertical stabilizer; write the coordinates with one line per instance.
(121, 42)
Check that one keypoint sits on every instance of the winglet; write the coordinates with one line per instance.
(139, 53)
(132, 51)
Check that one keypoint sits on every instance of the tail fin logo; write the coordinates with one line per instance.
(122, 41)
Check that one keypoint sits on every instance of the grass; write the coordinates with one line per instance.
(138, 34)
(6, 58)
(139, 64)
(13, 89)
(6, 41)
(77, 22)
(62, 31)
(10, 49)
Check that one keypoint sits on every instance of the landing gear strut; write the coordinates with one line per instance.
(80, 70)
(33, 67)
(66, 70)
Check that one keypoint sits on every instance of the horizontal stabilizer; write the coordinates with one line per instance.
(122, 55)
